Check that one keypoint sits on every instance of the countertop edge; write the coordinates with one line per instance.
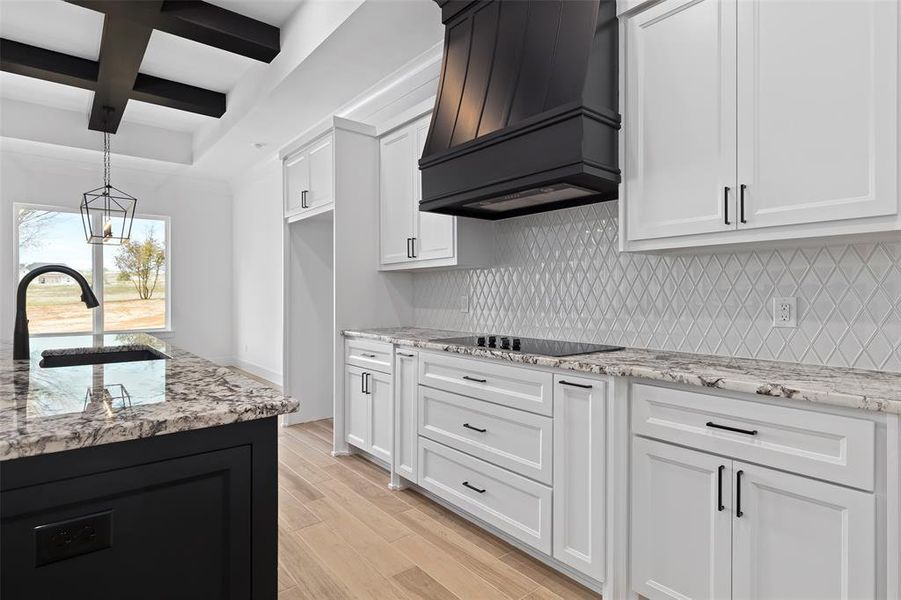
(762, 387)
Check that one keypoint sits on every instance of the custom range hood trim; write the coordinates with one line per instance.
(500, 129)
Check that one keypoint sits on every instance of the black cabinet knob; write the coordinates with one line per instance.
(481, 341)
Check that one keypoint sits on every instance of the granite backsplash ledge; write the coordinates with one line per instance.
(559, 275)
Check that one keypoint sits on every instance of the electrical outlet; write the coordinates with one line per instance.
(785, 312)
(464, 303)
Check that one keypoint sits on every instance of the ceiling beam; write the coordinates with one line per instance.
(122, 50)
(48, 65)
(31, 61)
(201, 22)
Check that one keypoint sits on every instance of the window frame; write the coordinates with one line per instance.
(97, 284)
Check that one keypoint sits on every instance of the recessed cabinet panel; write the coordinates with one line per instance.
(356, 410)
(507, 437)
(681, 523)
(382, 407)
(680, 118)
(297, 181)
(818, 110)
(800, 538)
(580, 457)
(435, 233)
(397, 195)
(406, 411)
(322, 186)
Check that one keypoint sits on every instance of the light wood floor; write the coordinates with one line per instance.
(343, 534)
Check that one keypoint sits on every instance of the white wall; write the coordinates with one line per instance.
(200, 244)
(257, 271)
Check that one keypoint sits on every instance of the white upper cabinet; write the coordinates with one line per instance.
(758, 120)
(680, 121)
(397, 192)
(310, 179)
(817, 110)
(433, 233)
(410, 239)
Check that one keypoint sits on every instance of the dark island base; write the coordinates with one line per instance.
(185, 515)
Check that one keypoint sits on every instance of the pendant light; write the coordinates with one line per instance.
(107, 212)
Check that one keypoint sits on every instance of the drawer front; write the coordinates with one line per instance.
(525, 389)
(831, 447)
(510, 438)
(369, 354)
(517, 506)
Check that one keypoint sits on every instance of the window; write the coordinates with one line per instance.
(130, 280)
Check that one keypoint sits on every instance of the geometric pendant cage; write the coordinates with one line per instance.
(107, 212)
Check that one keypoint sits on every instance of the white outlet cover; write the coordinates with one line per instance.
(785, 312)
(464, 303)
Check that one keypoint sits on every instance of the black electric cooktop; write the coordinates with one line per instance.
(529, 345)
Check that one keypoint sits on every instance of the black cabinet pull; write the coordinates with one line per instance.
(476, 379)
(713, 425)
(367, 355)
(413, 247)
(363, 383)
(741, 202)
(738, 512)
(472, 487)
(409, 251)
(726, 204)
(468, 426)
(303, 199)
(584, 386)
(719, 489)
(405, 354)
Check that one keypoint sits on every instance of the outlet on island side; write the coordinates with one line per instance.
(785, 312)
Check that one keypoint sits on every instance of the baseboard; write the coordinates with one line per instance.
(298, 417)
(257, 370)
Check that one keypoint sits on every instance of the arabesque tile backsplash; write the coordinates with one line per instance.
(559, 275)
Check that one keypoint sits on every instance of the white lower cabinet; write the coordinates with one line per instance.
(512, 503)
(580, 457)
(800, 538)
(369, 411)
(405, 413)
(681, 527)
(705, 526)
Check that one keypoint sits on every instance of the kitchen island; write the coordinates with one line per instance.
(150, 478)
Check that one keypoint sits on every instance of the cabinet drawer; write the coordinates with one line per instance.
(826, 446)
(369, 354)
(510, 438)
(525, 389)
(517, 506)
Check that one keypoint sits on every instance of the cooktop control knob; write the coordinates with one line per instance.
(492, 341)
(481, 341)
(517, 343)
(505, 343)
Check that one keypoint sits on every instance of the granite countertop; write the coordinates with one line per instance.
(878, 391)
(45, 410)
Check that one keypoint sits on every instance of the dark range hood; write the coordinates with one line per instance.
(526, 118)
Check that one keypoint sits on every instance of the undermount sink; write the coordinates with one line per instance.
(97, 356)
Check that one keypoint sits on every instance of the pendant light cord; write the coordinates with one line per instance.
(106, 160)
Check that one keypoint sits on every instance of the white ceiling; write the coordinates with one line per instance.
(332, 51)
(52, 24)
(274, 12)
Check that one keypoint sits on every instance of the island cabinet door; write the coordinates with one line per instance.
(174, 528)
(681, 523)
(580, 456)
(795, 537)
(356, 411)
(405, 414)
(381, 403)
